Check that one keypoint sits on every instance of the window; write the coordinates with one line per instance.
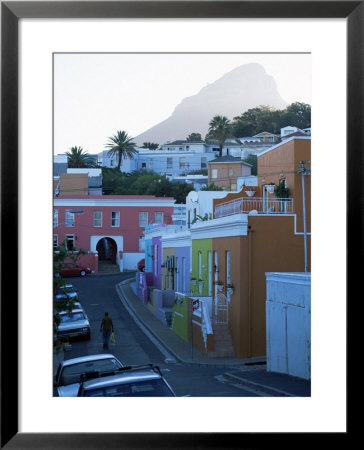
(55, 240)
(231, 172)
(158, 217)
(214, 173)
(70, 219)
(115, 218)
(55, 218)
(176, 277)
(182, 163)
(143, 218)
(203, 163)
(97, 218)
(150, 163)
(169, 163)
(228, 258)
(144, 165)
(233, 187)
(183, 273)
(70, 241)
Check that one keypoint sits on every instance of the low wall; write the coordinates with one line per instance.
(130, 260)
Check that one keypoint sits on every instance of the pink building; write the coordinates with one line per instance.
(108, 227)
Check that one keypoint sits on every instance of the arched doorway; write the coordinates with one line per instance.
(106, 248)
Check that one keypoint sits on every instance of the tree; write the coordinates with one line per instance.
(253, 160)
(194, 137)
(219, 129)
(150, 145)
(61, 253)
(266, 118)
(298, 115)
(77, 158)
(121, 145)
(212, 187)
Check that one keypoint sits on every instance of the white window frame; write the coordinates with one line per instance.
(55, 218)
(69, 218)
(182, 162)
(55, 240)
(143, 219)
(97, 221)
(68, 238)
(214, 174)
(228, 267)
(115, 221)
(169, 163)
(155, 217)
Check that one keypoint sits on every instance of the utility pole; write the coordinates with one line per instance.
(304, 172)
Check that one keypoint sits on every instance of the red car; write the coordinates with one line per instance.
(141, 265)
(73, 270)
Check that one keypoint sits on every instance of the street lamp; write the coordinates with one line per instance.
(304, 172)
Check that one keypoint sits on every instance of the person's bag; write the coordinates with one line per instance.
(112, 339)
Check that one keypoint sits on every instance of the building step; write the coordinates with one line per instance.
(108, 267)
(223, 344)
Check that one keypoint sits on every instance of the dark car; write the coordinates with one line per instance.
(128, 381)
(73, 270)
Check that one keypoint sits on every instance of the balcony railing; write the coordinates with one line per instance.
(258, 204)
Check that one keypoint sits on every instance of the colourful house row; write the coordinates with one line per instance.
(213, 275)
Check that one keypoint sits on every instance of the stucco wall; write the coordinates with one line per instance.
(270, 246)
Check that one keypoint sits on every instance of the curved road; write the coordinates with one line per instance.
(97, 294)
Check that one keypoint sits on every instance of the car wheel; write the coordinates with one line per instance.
(82, 273)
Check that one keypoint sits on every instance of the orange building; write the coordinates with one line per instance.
(224, 171)
(270, 238)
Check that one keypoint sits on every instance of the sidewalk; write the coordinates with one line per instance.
(249, 372)
(172, 345)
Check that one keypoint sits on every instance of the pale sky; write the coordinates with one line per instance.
(97, 94)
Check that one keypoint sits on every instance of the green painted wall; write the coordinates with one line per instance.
(180, 321)
(204, 246)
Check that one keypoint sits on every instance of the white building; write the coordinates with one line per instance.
(200, 204)
(288, 323)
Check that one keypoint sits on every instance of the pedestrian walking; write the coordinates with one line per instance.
(107, 327)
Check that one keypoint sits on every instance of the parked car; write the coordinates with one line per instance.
(74, 324)
(141, 265)
(66, 292)
(130, 381)
(69, 372)
(73, 270)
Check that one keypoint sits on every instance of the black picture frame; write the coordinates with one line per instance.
(11, 12)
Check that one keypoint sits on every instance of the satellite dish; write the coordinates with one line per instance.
(193, 196)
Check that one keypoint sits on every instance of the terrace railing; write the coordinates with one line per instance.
(258, 204)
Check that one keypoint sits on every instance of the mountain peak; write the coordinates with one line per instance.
(245, 87)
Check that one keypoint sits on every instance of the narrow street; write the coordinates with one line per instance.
(97, 294)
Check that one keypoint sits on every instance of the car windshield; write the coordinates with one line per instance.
(148, 388)
(72, 317)
(71, 374)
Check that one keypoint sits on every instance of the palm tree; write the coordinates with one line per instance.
(219, 128)
(121, 145)
(76, 158)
